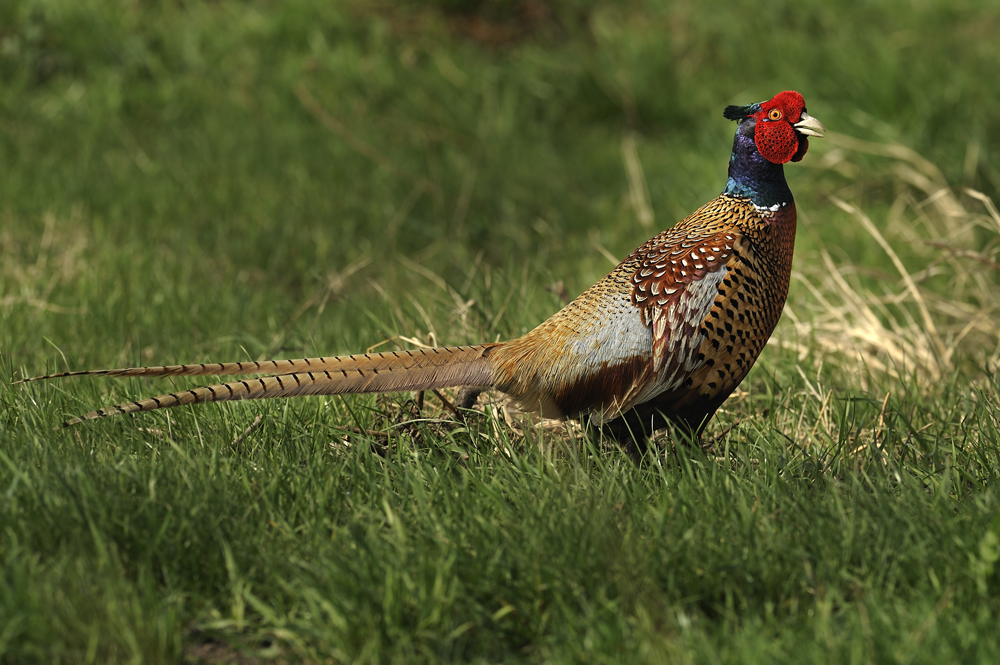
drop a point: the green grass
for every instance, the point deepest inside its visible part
(185, 182)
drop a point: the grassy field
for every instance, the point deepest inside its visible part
(186, 181)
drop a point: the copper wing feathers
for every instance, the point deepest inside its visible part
(675, 286)
(710, 302)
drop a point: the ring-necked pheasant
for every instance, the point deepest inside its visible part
(665, 337)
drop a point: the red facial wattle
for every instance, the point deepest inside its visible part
(776, 141)
(775, 135)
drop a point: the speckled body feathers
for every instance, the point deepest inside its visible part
(694, 307)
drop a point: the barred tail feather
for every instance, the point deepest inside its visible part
(338, 363)
(197, 369)
(393, 371)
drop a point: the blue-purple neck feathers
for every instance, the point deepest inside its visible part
(753, 177)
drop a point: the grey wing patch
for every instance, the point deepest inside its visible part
(614, 335)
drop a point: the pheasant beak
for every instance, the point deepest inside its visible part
(810, 126)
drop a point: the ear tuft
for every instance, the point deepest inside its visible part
(739, 112)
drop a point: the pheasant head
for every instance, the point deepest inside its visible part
(770, 134)
(781, 126)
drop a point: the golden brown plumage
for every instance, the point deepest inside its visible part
(665, 337)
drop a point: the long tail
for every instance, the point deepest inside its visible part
(393, 371)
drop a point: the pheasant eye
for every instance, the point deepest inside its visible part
(775, 114)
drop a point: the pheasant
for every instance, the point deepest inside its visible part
(663, 339)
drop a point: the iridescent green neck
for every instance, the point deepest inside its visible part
(753, 177)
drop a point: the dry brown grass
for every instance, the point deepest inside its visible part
(940, 313)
